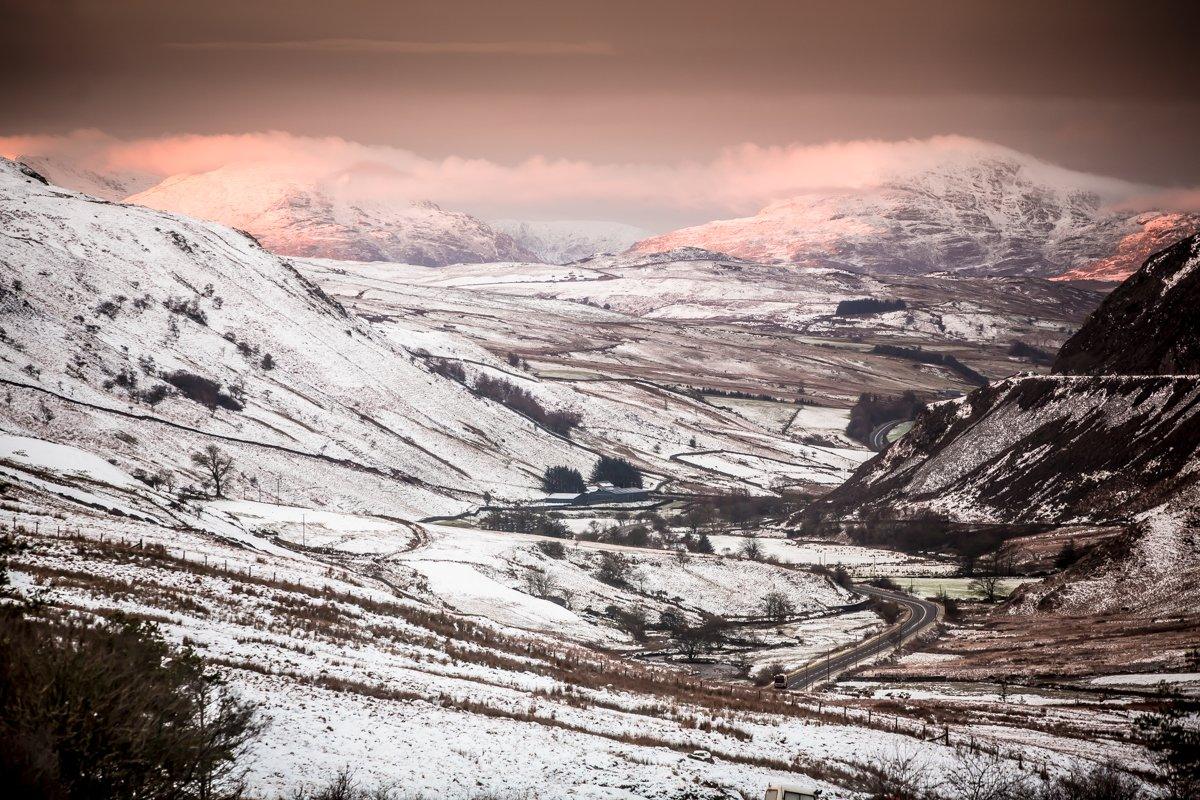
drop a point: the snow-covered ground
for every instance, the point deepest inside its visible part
(351, 669)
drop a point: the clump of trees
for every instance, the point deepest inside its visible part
(563, 479)
(525, 520)
(524, 403)
(741, 509)
(867, 306)
(617, 471)
(109, 711)
(923, 356)
(448, 368)
(776, 606)
(872, 410)
(1037, 355)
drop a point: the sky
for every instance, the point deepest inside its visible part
(1111, 88)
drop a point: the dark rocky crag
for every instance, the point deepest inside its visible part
(1149, 325)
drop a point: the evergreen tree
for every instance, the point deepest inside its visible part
(563, 479)
(617, 471)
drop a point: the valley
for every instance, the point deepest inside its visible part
(326, 477)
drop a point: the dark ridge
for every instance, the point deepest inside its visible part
(1149, 325)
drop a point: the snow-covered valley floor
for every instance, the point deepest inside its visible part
(411, 653)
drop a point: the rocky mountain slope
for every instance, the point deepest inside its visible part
(1048, 449)
(996, 212)
(1149, 325)
(302, 217)
(564, 241)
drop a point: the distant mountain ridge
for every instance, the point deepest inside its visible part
(564, 241)
(998, 213)
(314, 218)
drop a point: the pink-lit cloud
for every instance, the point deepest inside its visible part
(514, 48)
(738, 180)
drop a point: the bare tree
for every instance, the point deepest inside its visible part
(987, 586)
(776, 606)
(752, 549)
(896, 776)
(985, 776)
(539, 583)
(693, 639)
(217, 467)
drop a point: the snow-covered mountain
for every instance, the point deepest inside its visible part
(107, 184)
(302, 217)
(994, 211)
(564, 241)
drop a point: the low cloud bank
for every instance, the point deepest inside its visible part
(737, 181)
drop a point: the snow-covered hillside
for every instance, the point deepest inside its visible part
(1038, 449)
(305, 217)
(564, 241)
(114, 315)
(992, 212)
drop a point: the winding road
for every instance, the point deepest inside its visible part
(878, 440)
(919, 616)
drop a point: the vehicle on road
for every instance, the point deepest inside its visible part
(701, 755)
(792, 792)
(919, 616)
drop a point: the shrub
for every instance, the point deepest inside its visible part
(268, 361)
(202, 390)
(109, 711)
(154, 395)
(553, 549)
(188, 308)
(617, 471)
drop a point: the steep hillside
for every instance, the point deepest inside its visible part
(564, 241)
(302, 217)
(1149, 325)
(1037, 449)
(143, 336)
(994, 212)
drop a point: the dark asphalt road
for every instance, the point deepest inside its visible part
(922, 614)
(877, 441)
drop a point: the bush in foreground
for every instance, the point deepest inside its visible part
(110, 711)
